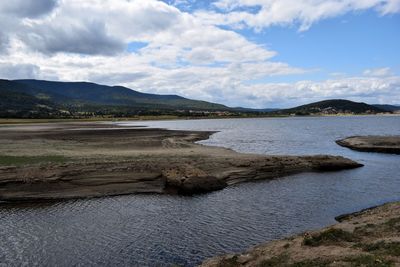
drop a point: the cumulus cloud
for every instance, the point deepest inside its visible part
(368, 89)
(3, 42)
(234, 87)
(290, 12)
(117, 77)
(27, 8)
(19, 71)
(84, 37)
(105, 27)
(185, 53)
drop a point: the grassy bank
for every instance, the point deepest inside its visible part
(367, 238)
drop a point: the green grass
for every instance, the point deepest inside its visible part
(330, 236)
(29, 160)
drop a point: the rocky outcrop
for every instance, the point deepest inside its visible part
(380, 144)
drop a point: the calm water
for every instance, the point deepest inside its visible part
(157, 230)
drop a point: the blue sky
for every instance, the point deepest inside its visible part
(252, 53)
(349, 44)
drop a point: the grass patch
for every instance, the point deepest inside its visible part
(390, 226)
(283, 261)
(29, 160)
(229, 262)
(330, 236)
(394, 223)
(382, 247)
(367, 230)
(280, 260)
(368, 261)
(312, 263)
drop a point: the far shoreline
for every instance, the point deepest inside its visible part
(16, 121)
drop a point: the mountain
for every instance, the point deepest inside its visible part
(36, 98)
(334, 106)
(48, 99)
(390, 108)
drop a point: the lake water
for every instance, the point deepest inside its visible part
(161, 230)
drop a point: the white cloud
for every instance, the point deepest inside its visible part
(291, 12)
(75, 40)
(367, 89)
(27, 8)
(19, 71)
(380, 72)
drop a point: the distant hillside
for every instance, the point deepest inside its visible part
(36, 98)
(390, 108)
(334, 106)
(48, 99)
(256, 110)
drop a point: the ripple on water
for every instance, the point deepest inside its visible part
(162, 230)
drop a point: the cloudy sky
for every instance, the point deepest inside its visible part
(252, 53)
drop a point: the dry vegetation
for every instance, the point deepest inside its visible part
(368, 238)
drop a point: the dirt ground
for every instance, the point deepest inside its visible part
(76, 160)
(380, 144)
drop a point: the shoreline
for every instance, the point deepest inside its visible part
(378, 144)
(370, 237)
(81, 160)
(17, 121)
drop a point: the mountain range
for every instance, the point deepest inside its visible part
(50, 99)
(36, 98)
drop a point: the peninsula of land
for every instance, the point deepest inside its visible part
(380, 144)
(367, 238)
(79, 160)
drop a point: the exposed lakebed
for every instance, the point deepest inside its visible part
(164, 230)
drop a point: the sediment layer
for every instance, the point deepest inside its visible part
(80, 160)
(380, 144)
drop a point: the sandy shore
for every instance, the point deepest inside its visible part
(77, 160)
(367, 238)
(381, 144)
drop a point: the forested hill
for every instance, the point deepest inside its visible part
(334, 106)
(36, 98)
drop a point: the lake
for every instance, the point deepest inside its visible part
(162, 230)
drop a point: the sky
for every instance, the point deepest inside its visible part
(249, 53)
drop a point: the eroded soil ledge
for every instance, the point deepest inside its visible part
(78, 160)
(367, 238)
(381, 144)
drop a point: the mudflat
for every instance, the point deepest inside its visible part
(381, 144)
(79, 160)
(367, 238)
